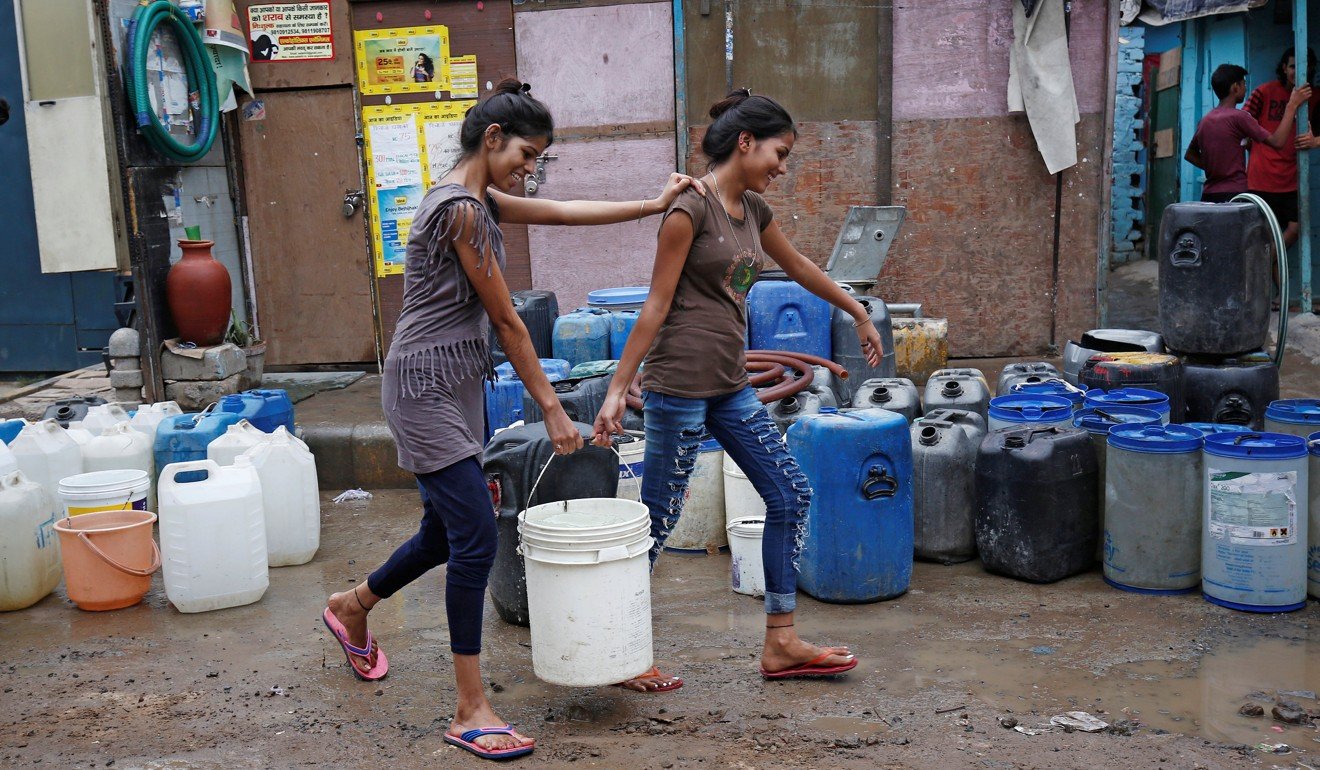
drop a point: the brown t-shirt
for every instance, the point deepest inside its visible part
(699, 351)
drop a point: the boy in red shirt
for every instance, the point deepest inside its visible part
(1218, 147)
(1271, 171)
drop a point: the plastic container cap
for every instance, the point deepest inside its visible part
(1211, 428)
(1099, 419)
(1257, 446)
(1028, 407)
(624, 295)
(1131, 397)
(1298, 411)
(829, 410)
(1156, 439)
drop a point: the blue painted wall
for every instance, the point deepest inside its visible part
(44, 319)
(1127, 193)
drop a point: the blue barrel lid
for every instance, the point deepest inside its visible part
(1030, 407)
(1156, 439)
(1298, 411)
(623, 295)
(1313, 441)
(1151, 399)
(1099, 419)
(1256, 446)
(1054, 386)
(1210, 428)
(710, 445)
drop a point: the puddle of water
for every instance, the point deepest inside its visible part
(1197, 698)
(849, 726)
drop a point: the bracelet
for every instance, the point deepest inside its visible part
(790, 625)
(641, 210)
(859, 324)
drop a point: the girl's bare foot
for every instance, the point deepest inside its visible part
(345, 607)
(482, 715)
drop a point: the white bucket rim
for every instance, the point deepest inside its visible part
(632, 530)
(98, 483)
(747, 526)
(538, 512)
(629, 548)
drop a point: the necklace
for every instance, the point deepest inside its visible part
(715, 182)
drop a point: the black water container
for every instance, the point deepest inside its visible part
(832, 390)
(1014, 373)
(512, 461)
(787, 411)
(945, 444)
(897, 394)
(1036, 503)
(582, 399)
(848, 348)
(538, 310)
(1230, 391)
(68, 410)
(1215, 284)
(1149, 371)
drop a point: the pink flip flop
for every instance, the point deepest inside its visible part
(467, 742)
(812, 667)
(377, 671)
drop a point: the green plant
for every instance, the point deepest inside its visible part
(240, 333)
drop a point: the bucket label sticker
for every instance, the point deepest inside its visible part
(137, 504)
(1258, 509)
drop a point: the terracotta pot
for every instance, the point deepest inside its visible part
(198, 291)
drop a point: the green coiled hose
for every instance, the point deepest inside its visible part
(201, 80)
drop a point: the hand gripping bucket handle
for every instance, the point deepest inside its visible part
(546, 467)
(103, 556)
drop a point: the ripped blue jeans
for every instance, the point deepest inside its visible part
(675, 428)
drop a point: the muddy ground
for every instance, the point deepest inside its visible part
(264, 685)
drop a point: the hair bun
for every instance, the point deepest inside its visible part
(513, 86)
(735, 98)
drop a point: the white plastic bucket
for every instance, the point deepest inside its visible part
(632, 456)
(701, 527)
(588, 590)
(748, 568)
(741, 500)
(116, 490)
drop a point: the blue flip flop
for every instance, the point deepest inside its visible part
(466, 742)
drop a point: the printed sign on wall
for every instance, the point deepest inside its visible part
(401, 61)
(409, 147)
(282, 32)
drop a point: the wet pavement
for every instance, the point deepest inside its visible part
(264, 685)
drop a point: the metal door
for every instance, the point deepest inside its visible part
(607, 74)
(300, 157)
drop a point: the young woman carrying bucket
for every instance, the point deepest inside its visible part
(432, 388)
(710, 252)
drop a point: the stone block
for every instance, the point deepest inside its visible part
(217, 363)
(125, 343)
(126, 378)
(194, 395)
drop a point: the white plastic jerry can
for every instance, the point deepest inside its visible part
(122, 447)
(212, 536)
(29, 548)
(291, 498)
(47, 454)
(149, 416)
(237, 439)
(103, 416)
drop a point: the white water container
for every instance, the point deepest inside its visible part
(29, 550)
(149, 416)
(79, 434)
(741, 500)
(122, 447)
(237, 440)
(213, 536)
(290, 498)
(103, 416)
(46, 454)
(748, 566)
(701, 527)
(588, 590)
(7, 462)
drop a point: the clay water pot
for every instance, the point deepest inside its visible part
(198, 291)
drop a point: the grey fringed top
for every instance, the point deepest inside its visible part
(439, 357)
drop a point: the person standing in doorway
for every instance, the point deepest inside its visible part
(431, 390)
(691, 332)
(1219, 145)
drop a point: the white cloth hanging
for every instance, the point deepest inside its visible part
(1040, 82)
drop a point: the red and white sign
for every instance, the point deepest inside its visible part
(281, 32)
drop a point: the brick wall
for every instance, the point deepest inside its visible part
(1127, 193)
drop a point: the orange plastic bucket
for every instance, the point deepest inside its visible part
(109, 557)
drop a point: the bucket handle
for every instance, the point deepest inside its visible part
(546, 467)
(155, 557)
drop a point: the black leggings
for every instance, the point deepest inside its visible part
(458, 528)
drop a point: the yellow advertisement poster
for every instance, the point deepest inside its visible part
(403, 61)
(408, 148)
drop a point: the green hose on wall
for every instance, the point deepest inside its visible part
(201, 80)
